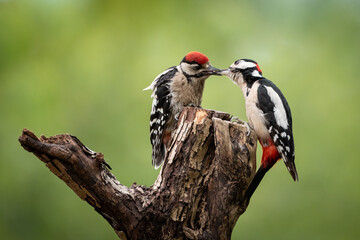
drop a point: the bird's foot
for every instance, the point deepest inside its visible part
(176, 117)
(235, 120)
(193, 105)
(248, 126)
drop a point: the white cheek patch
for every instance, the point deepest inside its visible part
(256, 73)
(237, 78)
(279, 110)
(188, 68)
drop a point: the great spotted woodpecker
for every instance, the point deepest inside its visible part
(173, 89)
(269, 114)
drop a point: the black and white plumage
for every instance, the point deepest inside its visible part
(269, 114)
(175, 88)
(279, 120)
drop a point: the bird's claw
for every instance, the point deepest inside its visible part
(193, 105)
(248, 126)
(176, 117)
(236, 120)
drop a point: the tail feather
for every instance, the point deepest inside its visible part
(256, 181)
(158, 155)
(292, 169)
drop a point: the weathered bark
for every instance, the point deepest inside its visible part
(199, 193)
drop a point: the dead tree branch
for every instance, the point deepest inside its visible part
(199, 193)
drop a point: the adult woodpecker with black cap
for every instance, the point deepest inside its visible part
(269, 115)
(172, 90)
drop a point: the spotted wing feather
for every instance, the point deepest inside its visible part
(160, 114)
(279, 121)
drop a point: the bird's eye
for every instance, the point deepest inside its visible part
(237, 62)
(197, 67)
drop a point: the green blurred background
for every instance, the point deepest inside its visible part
(79, 67)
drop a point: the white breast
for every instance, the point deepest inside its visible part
(184, 93)
(255, 116)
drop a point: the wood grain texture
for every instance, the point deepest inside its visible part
(198, 194)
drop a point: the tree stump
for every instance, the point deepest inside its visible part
(198, 194)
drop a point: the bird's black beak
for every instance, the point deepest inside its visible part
(212, 71)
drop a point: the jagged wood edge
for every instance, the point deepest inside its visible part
(50, 150)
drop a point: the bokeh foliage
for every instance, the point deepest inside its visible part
(79, 67)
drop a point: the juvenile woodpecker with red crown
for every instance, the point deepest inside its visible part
(269, 115)
(172, 90)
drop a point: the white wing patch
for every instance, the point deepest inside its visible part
(279, 110)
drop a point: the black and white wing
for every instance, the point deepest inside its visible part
(279, 122)
(160, 113)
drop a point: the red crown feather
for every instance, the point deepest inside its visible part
(196, 57)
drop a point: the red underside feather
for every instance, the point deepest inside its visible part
(270, 155)
(166, 138)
